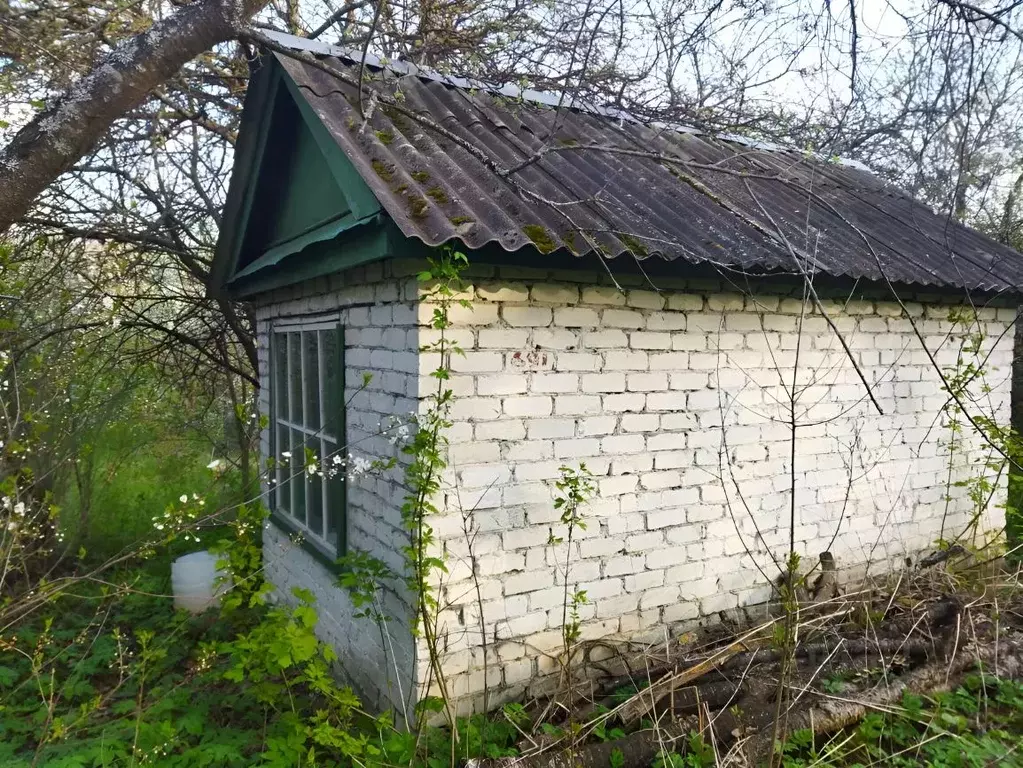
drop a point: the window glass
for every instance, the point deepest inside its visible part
(283, 467)
(307, 391)
(314, 490)
(311, 377)
(280, 382)
(298, 475)
(332, 383)
(295, 377)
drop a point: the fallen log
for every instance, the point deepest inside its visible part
(833, 713)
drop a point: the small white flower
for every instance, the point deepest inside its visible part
(19, 508)
(338, 461)
(286, 455)
(360, 465)
(311, 469)
(214, 465)
(184, 498)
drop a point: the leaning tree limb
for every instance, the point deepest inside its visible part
(65, 131)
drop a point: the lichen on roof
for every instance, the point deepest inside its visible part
(418, 206)
(384, 170)
(541, 237)
(438, 194)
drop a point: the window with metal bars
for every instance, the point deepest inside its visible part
(308, 427)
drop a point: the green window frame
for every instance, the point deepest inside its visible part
(307, 438)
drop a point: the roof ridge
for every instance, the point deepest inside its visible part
(542, 98)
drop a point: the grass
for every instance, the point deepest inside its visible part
(133, 476)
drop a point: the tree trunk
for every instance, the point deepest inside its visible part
(60, 135)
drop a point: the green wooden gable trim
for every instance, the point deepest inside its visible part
(371, 241)
(294, 197)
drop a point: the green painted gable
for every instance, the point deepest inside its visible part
(296, 207)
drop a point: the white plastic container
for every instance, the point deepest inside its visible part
(194, 582)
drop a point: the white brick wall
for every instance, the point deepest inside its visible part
(677, 401)
(377, 310)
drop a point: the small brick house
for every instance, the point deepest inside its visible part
(643, 299)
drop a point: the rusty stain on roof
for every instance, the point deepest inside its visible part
(732, 203)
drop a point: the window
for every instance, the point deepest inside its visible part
(307, 392)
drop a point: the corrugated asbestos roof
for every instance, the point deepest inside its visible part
(728, 202)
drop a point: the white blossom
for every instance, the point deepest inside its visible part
(359, 465)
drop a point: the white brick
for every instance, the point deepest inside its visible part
(622, 318)
(502, 384)
(645, 299)
(594, 294)
(688, 380)
(640, 580)
(526, 316)
(554, 293)
(475, 408)
(647, 382)
(725, 301)
(527, 582)
(666, 401)
(502, 338)
(555, 382)
(527, 406)
(666, 321)
(686, 302)
(477, 362)
(626, 402)
(503, 292)
(570, 449)
(550, 428)
(597, 425)
(603, 382)
(576, 317)
(484, 476)
(555, 338)
(577, 405)
(475, 314)
(626, 361)
(577, 361)
(653, 598)
(650, 340)
(641, 422)
(605, 339)
(623, 444)
(665, 558)
(669, 361)
(523, 538)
